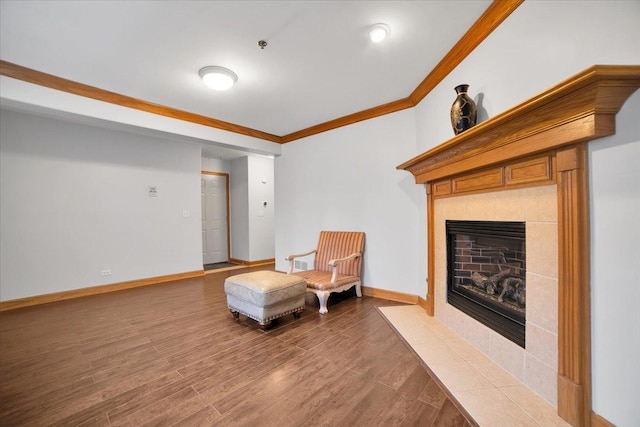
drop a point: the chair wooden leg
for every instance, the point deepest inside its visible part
(358, 290)
(323, 297)
(236, 315)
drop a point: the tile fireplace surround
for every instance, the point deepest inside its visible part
(536, 365)
(529, 164)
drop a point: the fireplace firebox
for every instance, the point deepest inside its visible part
(486, 271)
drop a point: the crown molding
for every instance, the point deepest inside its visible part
(370, 113)
(492, 17)
(54, 82)
(495, 14)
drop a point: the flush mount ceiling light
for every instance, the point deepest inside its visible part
(379, 32)
(218, 78)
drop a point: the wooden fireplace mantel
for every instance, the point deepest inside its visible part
(578, 109)
(541, 141)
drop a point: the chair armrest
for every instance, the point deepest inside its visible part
(291, 258)
(334, 264)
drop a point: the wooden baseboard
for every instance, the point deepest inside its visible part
(253, 263)
(94, 290)
(222, 270)
(389, 295)
(423, 303)
(598, 421)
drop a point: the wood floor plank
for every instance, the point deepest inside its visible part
(99, 421)
(289, 374)
(176, 413)
(160, 409)
(400, 367)
(59, 408)
(404, 404)
(433, 394)
(287, 408)
(236, 379)
(112, 348)
(370, 408)
(345, 394)
(205, 417)
(417, 414)
(127, 398)
(449, 416)
(312, 338)
(139, 382)
(30, 378)
(137, 363)
(235, 359)
(171, 354)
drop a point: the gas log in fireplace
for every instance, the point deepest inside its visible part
(486, 271)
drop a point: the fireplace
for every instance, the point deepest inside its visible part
(486, 271)
(540, 142)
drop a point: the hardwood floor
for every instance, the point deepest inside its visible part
(171, 354)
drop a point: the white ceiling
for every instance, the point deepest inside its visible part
(319, 64)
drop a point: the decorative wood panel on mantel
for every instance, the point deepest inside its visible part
(541, 141)
(523, 173)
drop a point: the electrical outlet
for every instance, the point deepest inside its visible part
(105, 272)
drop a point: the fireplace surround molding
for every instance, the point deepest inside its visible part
(539, 142)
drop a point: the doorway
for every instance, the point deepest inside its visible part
(215, 218)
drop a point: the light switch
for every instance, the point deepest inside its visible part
(186, 214)
(153, 191)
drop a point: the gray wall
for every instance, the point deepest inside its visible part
(346, 180)
(75, 202)
(252, 224)
(239, 208)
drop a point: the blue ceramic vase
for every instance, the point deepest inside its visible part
(463, 110)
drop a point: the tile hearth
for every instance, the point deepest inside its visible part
(491, 395)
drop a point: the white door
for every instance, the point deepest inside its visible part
(214, 219)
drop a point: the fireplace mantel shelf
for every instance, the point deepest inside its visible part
(540, 142)
(578, 109)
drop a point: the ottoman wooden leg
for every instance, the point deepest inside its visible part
(264, 325)
(296, 314)
(236, 315)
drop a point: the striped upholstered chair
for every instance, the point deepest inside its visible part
(337, 265)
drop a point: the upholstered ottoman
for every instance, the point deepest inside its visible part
(265, 295)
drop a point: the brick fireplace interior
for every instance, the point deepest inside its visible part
(486, 273)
